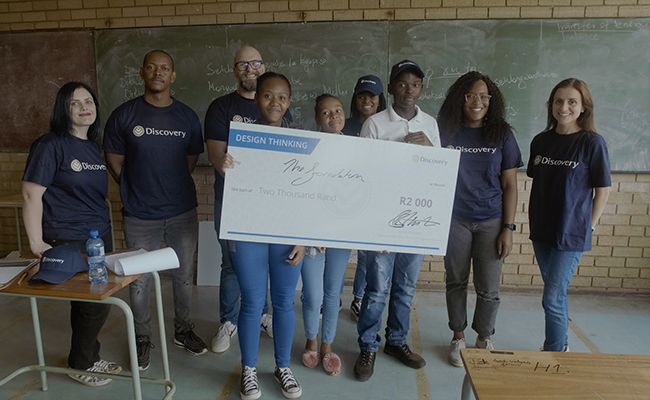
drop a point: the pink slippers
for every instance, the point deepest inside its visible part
(331, 364)
(310, 358)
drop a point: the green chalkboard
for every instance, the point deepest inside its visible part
(316, 58)
(526, 58)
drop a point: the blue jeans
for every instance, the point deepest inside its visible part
(228, 286)
(180, 233)
(359, 286)
(557, 268)
(323, 276)
(396, 273)
(253, 263)
(473, 243)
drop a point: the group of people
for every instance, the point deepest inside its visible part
(151, 146)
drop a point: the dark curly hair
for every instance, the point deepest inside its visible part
(450, 117)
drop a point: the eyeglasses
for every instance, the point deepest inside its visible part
(471, 97)
(254, 64)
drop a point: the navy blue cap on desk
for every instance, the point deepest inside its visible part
(60, 263)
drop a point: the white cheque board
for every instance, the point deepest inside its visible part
(317, 189)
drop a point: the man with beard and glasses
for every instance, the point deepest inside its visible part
(238, 106)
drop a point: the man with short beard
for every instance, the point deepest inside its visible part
(152, 144)
(238, 106)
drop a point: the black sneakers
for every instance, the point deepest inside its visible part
(290, 387)
(365, 365)
(355, 308)
(250, 388)
(192, 343)
(144, 347)
(405, 355)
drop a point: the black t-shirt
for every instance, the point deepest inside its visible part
(565, 169)
(76, 179)
(156, 182)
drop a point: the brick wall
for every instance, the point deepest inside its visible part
(16, 15)
(620, 259)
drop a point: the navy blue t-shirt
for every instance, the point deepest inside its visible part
(223, 110)
(76, 179)
(479, 197)
(156, 182)
(352, 127)
(565, 169)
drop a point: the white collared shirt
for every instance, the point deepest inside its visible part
(387, 125)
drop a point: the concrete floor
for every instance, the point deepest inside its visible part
(604, 323)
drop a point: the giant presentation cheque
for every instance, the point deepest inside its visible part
(317, 189)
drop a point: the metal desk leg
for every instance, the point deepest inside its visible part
(161, 325)
(467, 389)
(133, 355)
(39, 341)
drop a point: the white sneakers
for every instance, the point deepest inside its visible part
(485, 344)
(454, 352)
(458, 344)
(221, 341)
(266, 325)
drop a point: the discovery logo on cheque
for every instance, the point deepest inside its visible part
(427, 160)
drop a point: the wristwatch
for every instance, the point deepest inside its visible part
(512, 227)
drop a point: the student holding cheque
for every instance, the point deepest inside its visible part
(323, 270)
(472, 119)
(569, 164)
(254, 262)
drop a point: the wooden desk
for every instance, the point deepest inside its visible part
(14, 201)
(79, 288)
(537, 375)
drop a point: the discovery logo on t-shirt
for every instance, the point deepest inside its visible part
(246, 120)
(549, 161)
(78, 166)
(139, 131)
(464, 149)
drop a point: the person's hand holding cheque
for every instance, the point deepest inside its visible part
(418, 138)
(226, 162)
(298, 252)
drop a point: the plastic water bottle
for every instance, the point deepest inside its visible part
(96, 258)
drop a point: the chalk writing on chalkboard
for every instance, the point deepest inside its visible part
(525, 58)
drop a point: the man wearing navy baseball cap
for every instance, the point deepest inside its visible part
(402, 121)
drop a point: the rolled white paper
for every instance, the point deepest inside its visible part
(157, 260)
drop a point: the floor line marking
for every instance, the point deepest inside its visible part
(25, 389)
(421, 381)
(231, 383)
(581, 335)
